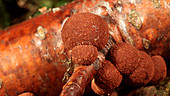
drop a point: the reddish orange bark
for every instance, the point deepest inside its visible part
(32, 63)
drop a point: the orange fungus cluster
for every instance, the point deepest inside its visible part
(86, 34)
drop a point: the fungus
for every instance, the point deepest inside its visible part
(85, 34)
(97, 89)
(26, 94)
(125, 57)
(160, 71)
(84, 54)
(106, 79)
(85, 29)
(144, 73)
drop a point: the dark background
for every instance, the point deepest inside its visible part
(15, 11)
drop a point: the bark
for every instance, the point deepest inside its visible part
(32, 56)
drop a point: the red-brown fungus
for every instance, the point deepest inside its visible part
(78, 81)
(125, 57)
(84, 34)
(160, 71)
(107, 78)
(84, 54)
(26, 94)
(85, 29)
(97, 89)
(144, 73)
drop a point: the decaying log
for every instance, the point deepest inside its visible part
(32, 56)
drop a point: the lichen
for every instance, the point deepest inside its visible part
(41, 32)
(66, 76)
(66, 62)
(156, 3)
(146, 43)
(1, 83)
(56, 9)
(20, 48)
(135, 19)
(118, 8)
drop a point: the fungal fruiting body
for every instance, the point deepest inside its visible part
(143, 23)
(144, 73)
(125, 57)
(77, 83)
(79, 34)
(136, 66)
(26, 94)
(106, 79)
(84, 54)
(85, 29)
(145, 70)
(84, 34)
(160, 71)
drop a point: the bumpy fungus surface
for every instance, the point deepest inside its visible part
(125, 57)
(144, 73)
(84, 54)
(85, 29)
(107, 78)
(160, 71)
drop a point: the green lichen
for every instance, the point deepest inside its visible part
(162, 93)
(66, 62)
(66, 77)
(135, 19)
(163, 87)
(156, 3)
(1, 82)
(146, 43)
(41, 32)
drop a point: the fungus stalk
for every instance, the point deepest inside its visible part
(83, 75)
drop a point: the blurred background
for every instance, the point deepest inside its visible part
(15, 11)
